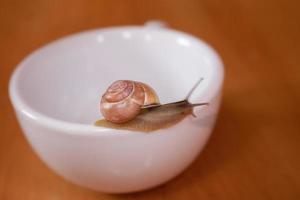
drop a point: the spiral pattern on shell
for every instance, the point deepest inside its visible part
(123, 100)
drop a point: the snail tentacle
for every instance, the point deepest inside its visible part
(193, 88)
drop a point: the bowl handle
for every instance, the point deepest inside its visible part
(155, 24)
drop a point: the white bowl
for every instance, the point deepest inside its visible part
(56, 90)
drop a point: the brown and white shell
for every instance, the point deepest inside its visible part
(124, 99)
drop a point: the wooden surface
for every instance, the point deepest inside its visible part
(254, 152)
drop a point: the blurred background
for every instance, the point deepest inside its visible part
(254, 152)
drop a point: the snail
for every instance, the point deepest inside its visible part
(131, 105)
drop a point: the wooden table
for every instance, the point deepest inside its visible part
(254, 152)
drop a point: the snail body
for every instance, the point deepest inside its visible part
(155, 117)
(152, 115)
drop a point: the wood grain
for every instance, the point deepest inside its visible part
(254, 150)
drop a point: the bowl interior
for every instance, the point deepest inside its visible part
(65, 79)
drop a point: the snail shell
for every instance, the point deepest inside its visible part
(124, 99)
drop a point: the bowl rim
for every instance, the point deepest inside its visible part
(77, 128)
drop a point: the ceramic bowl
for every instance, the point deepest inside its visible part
(56, 90)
